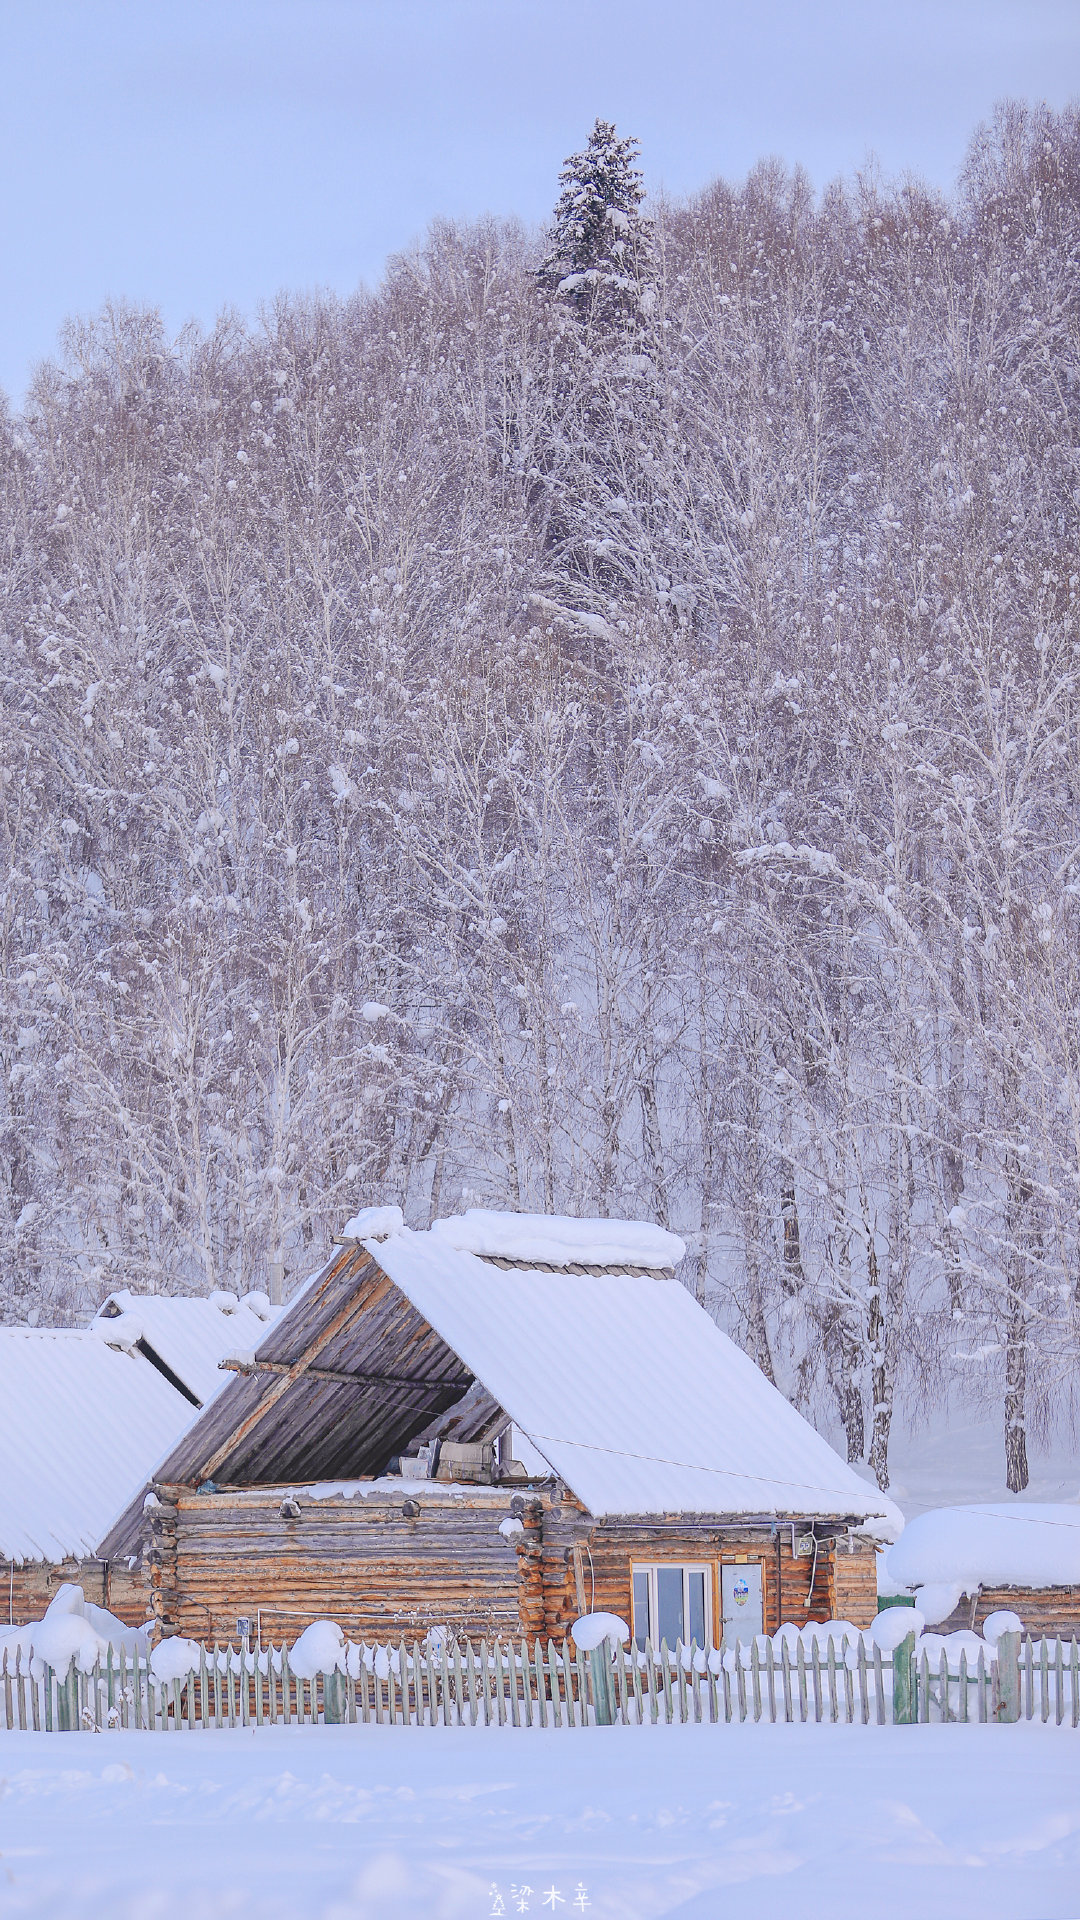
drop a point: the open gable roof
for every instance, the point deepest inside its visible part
(345, 1377)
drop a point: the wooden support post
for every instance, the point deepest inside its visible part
(162, 1559)
(578, 1566)
(334, 1714)
(67, 1711)
(904, 1690)
(600, 1676)
(1005, 1692)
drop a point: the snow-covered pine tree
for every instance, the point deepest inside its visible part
(603, 436)
(601, 248)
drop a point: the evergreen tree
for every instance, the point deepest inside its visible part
(601, 250)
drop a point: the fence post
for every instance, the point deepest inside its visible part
(600, 1675)
(67, 1708)
(333, 1693)
(1005, 1697)
(904, 1690)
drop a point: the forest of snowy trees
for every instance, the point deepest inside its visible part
(590, 725)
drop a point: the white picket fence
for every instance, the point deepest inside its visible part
(465, 1683)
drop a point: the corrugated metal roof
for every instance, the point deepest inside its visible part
(627, 1387)
(81, 1426)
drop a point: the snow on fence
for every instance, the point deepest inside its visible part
(461, 1683)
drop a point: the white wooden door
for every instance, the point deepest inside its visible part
(742, 1601)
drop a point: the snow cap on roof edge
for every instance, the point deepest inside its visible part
(373, 1223)
(125, 1331)
(557, 1240)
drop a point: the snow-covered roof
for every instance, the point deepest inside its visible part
(621, 1382)
(1023, 1544)
(189, 1333)
(555, 1240)
(628, 1389)
(81, 1426)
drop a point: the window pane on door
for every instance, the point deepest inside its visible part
(669, 1604)
(695, 1592)
(641, 1610)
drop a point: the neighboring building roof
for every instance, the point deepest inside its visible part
(85, 1414)
(624, 1385)
(1022, 1544)
(81, 1425)
(187, 1334)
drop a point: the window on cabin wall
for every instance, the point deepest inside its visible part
(673, 1602)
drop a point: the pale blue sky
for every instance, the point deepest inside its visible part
(208, 153)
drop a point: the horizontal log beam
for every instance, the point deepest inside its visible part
(426, 1382)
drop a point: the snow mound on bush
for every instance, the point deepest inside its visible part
(937, 1600)
(1001, 1622)
(175, 1658)
(894, 1625)
(71, 1627)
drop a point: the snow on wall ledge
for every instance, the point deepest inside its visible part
(558, 1241)
(1021, 1545)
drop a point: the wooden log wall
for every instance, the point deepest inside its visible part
(26, 1591)
(362, 1562)
(1047, 1612)
(853, 1583)
(381, 1570)
(844, 1583)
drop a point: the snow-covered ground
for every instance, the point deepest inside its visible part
(378, 1823)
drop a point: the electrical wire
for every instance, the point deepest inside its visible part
(695, 1466)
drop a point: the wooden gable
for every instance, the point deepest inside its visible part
(350, 1374)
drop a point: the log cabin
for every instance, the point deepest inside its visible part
(491, 1428)
(85, 1414)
